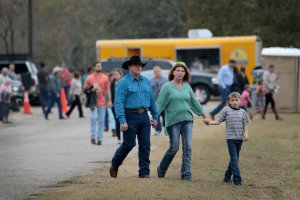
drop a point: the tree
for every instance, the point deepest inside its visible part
(11, 20)
(145, 19)
(275, 21)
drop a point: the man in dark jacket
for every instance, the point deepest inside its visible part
(54, 93)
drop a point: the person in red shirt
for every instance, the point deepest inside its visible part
(101, 86)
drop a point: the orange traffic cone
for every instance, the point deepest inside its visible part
(26, 105)
(64, 103)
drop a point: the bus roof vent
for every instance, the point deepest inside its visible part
(199, 33)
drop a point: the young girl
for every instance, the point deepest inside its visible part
(246, 99)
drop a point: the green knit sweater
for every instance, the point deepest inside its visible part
(177, 103)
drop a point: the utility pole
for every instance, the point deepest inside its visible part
(30, 29)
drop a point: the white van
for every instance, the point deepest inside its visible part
(25, 67)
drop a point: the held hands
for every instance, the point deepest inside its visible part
(153, 123)
(124, 127)
(206, 122)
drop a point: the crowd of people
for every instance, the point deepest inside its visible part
(124, 101)
(231, 79)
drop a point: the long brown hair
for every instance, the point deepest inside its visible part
(187, 76)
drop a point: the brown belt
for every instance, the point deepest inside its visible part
(139, 110)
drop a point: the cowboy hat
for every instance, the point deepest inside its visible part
(57, 69)
(134, 60)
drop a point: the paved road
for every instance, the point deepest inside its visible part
(36, 153)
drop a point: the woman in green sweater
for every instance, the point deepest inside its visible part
(177, 99)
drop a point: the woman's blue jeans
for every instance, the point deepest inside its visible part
(185, 130)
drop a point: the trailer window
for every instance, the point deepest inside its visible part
(163, 64)
(209, 58)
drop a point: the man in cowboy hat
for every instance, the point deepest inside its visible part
(54, 92)
(133, 98)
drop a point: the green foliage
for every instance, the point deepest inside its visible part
(275, 21)
(65, 31)
(145, 19)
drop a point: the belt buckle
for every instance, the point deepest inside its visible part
(140, 110)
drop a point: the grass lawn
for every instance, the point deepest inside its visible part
(269, 165)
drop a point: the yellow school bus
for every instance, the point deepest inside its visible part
(211, 52)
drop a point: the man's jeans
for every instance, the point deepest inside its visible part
(138, 125)
(97, 118)
(234, 147)
(185, 130)
(224, 92)
(44, 96)
(52, 99)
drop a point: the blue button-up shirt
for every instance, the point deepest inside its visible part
(133, 94)
(225, 76)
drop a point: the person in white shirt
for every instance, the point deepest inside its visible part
(270, 86)
(225, 78)
(76, 91)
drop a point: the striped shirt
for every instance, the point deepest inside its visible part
(236, 120)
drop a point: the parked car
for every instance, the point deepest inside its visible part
(17, 98)
(18, 91)
(23, 66)
(112, 63)
(205, 82)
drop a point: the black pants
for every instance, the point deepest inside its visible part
(270, 99)
(118, 132)
(77, 103)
